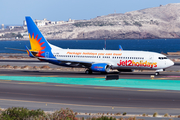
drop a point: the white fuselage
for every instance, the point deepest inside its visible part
(115, 58)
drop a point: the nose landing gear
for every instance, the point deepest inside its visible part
(160, 70)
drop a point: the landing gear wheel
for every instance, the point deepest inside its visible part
(88, 72)
(157, 73)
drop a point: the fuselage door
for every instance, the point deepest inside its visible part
(151, 57)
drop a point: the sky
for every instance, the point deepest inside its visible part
(13, 12)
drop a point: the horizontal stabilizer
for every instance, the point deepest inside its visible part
(29, 52)
(15, 49)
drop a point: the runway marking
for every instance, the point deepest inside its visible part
(3, 75)
(69, 85)
(92, 87)
(107, 87)
(160, 78)
(5, 80)
(49, 76)
(122, 83)
(173, 76)
(34, 83)
(86, 105)
(150, 90)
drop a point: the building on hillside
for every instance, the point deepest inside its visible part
(52, 22)
(42, 22)
(14, 27)
(2, 34)
(24, 34)
(2, 26)
(70, 20)
(59, 22)
(39, 22)
(47, 22)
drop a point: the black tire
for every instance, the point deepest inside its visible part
(157, 73)
(88, 72)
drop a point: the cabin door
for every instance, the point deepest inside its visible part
(151, 57)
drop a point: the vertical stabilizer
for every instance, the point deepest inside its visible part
(38, 43)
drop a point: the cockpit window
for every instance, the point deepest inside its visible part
(162, 58)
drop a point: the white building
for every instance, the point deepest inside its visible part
(70, 20)
(47, 22)
(39, 22)
(2, 26)
(14, 27)
(2, 34)
(52, 22)
(59, 22)
(24, 34)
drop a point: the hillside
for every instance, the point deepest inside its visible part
(158, 22)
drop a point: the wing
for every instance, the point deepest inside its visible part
(75, 63)
(72, 63)
(15, 49)
(68, 62)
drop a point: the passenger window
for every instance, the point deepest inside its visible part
(161, 58)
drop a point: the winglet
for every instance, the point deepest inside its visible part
(120, 47)
(29, 52)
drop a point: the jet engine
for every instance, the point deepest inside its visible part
(100, 67)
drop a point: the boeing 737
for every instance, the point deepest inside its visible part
(93, 60)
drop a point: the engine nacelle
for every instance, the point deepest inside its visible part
(100, 67)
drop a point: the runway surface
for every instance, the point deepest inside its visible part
(84, 98)
(88, 98)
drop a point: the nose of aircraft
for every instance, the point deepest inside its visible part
(170, 63)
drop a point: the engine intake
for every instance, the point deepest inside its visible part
(100, 67)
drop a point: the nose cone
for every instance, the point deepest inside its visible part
(170, 63)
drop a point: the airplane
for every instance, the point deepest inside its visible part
(94, 60)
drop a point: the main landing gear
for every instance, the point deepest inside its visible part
(156, 73)
(88, 71)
